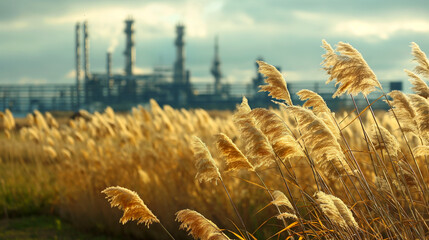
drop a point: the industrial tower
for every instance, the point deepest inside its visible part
(215, 70)
(130, 51)
(179, 65)
(77, 55)
(86, 50)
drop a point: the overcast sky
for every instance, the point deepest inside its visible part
(37, 37)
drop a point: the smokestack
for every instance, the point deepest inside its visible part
(109, 64)
(77, 55)
(109, 73)
(179, 65)
(86, 50)
(130, 52)
(216, 72)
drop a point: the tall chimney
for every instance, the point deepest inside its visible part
(179, 65)
(130, 52)
(216, 72)
(77, 55)
(109, 73)
(109, 64)
(86, 50)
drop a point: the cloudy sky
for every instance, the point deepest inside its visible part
(37, 37)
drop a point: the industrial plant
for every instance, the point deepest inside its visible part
(167, 85)
(171, 86)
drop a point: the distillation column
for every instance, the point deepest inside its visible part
(216, 72)
(77, 55)
(130, 52)
(179, 65)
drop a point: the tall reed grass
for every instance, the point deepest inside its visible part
(296, 172)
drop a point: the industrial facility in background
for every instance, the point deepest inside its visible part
(172, 86)
(166, 85)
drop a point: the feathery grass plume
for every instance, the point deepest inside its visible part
(66, 154)
(313, 100)
(7, 120)
(404, 111)
(328, 207)
(336, 211)
(258, 150)
(132, 205)
(40, 120)
(286, 215)
(406, 171)
(321, 143)
(320, 108)
(85, 114)
(276, 87)
(241, 114)
(29, 119)
(281, 200)
(51, 121)
(387, 140)
(50, 151)
(421, 151)
(345, 212)
(206, 166)
(421, 106)
(198, 226)
(275, 129)
(421, 59)
(330, 58)
(349, 69)
(328, 119)
(10, 119)
(234, 158)
(381, 185)
(419, 86)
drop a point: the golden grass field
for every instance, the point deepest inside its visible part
(294, 172)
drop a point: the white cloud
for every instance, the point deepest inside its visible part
(72, 74)
(369, 28)
(381, 29)
(157, 16)
(138, 70)
(29, 80)
(241, 75)
(13, 25)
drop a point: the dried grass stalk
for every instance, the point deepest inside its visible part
(421, 59)
(258, 150)
(276, 87)
(382, 185)
(386, 141)
(349, 69)
(286, 215)
(421, 106)
(241, 114)
(132, 205)
(409, 177)
(404, 111)
(321, 143)
(50, 151)
(419, 86)
(313, 100)
(281, 200)
(198, 226)
(206, 166)
(421, 151)
(277, 133)
(235, 159)
(336, 211)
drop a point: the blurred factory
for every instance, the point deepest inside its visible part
(171, 86)
(167, 85)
